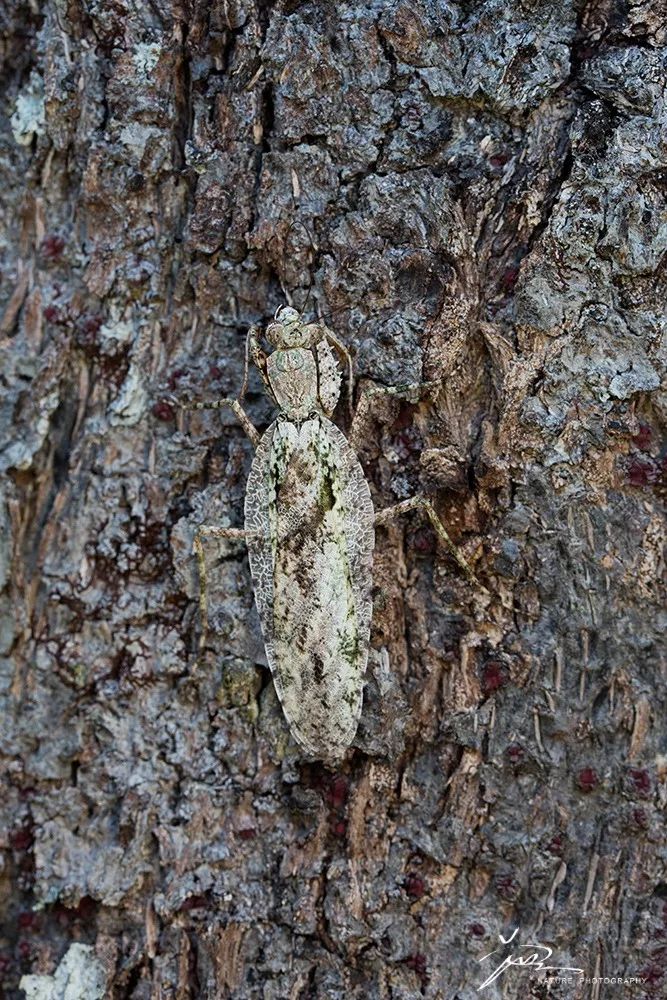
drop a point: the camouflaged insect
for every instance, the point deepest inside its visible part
(309, 528)
(309, 522)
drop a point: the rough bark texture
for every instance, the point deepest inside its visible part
(472, 192)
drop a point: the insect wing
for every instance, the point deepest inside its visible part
(310, 512)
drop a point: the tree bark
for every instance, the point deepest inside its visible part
(466, 192)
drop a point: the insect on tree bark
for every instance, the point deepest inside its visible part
(309, 528)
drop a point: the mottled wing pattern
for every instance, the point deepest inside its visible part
(311, 561)
(329, 378)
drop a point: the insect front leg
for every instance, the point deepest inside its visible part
(233, 404)
(208, 531)
(236, 409)
(422, 503)
(253, 348)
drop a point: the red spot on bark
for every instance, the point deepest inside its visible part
(340, 828)
(175, 376)
(499, 159)
(247, 833)
(52, 314)
(653, 975)
(587, 779)
(5, 963)
(24, 949)
(640, 781)
(508, 887)
(215, 372)
(27, 919)
(640, 818)
(415, 886)
(424, 541)
(556, 846)
(23, 839)
(86, 334)
(417, 962)
(477, 930)
(91, 324)
(163, 410)
(641, 472)
(515, 753)
(337, 792)
(642, 439)
(52, 246)
(508, 280)
(494, 677)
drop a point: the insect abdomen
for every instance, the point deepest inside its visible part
(311, 562)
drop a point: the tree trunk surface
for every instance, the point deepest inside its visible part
(472, 193)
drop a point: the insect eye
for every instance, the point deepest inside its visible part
(274, 334)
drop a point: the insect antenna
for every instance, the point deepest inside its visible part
(289, 295)
(312, 281)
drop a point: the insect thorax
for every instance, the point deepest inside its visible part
(293, 378)
(304, 380)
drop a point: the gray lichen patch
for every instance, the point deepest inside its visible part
(79, 976)
(28, 119)
(132, 401)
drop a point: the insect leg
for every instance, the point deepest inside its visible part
(258, 355)
(382, 391)
(208, 531)
(422, 503)
(339, 346)
(235, 407)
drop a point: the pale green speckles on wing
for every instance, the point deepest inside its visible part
(311, 564)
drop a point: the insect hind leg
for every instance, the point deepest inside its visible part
(422, 503)
(208, 531)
